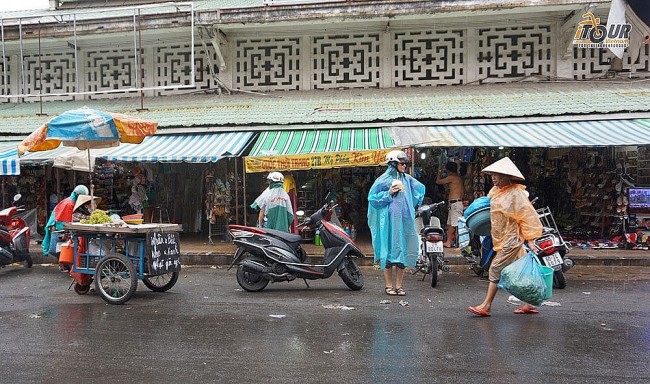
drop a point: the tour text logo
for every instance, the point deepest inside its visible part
(592, 34)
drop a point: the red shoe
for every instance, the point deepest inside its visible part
(526, 311)
(479, 312)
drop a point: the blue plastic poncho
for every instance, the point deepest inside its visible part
(392, 219)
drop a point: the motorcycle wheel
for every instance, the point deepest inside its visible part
(559, 281)
(161, 283)
(433, 269)
(28, 261)
(251, 282)
(351, 274)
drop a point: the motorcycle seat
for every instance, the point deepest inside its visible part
(426, 230)
(291, 238)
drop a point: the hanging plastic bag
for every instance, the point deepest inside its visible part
(524, 279)
(463, 233)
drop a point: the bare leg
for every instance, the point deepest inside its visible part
(450, 235)
(388, 276)
(399, 276)
(486, 305)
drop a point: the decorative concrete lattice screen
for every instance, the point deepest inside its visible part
(112, 69)
(346, 61)
(268, 64)
(514, 52)
(595, 63)
(5, 89)
(58, 75)
(397, 58)
(172, 68)
(428, 58)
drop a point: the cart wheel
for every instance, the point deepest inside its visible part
(81, 289)
(115, 279)
(161, 283)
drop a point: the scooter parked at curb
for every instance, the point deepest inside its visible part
(267, 255)
(431, 257)
(14, 237)
(553, 248)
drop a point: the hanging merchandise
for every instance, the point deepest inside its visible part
(138, 193)
(478, 179)
(104, 175)
(468, 154)
(218, 198)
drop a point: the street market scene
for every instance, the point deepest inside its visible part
(447, 164)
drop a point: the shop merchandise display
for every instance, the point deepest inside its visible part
(31, 185)
(587, 187)
(218, 198)
(138, 193)
(104, 187)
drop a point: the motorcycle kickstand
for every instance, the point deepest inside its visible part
(306, 283)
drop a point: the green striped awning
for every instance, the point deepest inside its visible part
(314, 149)
(596, 133)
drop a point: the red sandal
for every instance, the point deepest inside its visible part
(526, 311)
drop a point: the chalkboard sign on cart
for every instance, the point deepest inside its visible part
(164, 252)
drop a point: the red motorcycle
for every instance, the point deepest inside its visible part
(14, 237)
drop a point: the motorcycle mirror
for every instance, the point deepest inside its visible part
(300, 213)
(17, 197)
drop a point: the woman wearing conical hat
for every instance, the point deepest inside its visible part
(514, 223)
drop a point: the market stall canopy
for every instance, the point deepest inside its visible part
(9, 164)
(597, 133)
(318, 149)
(76, 160)
(45, 157)
(194, 148)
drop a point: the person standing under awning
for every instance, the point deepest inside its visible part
(274, 205)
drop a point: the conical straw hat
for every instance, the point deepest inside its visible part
(505, 166)
(83, 199)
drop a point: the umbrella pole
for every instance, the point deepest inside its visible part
(92, 187)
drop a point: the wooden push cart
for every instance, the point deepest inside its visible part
(116, 257)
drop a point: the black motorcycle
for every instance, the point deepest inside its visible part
(267, 255)
(431, 257)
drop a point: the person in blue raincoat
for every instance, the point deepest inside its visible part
(391, 217)
(61, 214)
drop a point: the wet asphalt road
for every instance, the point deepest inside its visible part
(206, 329)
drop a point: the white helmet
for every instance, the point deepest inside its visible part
(397, 156)
(275, 177)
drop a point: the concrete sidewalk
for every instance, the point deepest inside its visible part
(198, 251)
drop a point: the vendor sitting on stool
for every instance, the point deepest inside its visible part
(455, 202)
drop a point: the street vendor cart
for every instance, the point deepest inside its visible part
(115, 257)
